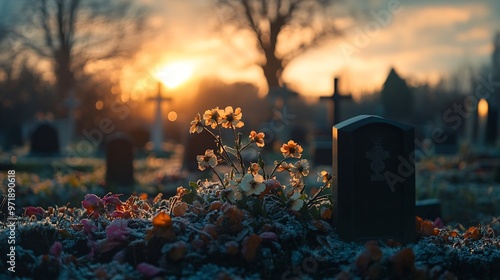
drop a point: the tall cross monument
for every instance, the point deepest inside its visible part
(157, 129)
(71, 103)
(336, 98)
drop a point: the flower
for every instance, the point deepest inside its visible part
(56, 249)
(300, 168)
(34, 211)
(207, 160)
(196, 125)
(254, 168)
(88, 227)
(291, 149)
(252, 184)
(93, 204)
(112, 199)
(283, 166)
(232, 193)
(324, 176)
(212, 117)
(230, 118)
(297, 201)
(117, 230)
(148, 270)
(258, 138)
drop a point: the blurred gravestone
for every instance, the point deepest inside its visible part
(196, 144)
(119, 160)
(44, 141)
(373, 167)
(428, 208)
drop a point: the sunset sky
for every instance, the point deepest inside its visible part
(423, 40)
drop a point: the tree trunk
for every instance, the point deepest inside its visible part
(272, 69)
(65, 79)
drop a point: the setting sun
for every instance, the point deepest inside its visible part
(173, 75)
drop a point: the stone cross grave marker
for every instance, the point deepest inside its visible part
(336, 98)
(374, 173)
(157, 130)
(323, 145)
(44, 140)
(119, 160)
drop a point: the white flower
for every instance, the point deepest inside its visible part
(252, 184)
(297, 201)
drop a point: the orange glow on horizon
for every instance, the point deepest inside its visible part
(174, 74)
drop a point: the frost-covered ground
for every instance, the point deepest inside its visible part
(211, 239)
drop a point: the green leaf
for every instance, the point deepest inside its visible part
(193, 185)
(231, 150)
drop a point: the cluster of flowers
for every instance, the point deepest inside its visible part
(253, 180)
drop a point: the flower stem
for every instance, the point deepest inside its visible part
(224, 155)
(240, 158)
(276, 167)
(218, 176)
(311, 201)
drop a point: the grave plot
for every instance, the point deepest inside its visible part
(245, 223)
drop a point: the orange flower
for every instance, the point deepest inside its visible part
(207, 160)
(212, 117)
(324, 176)
(162, 220)
(258, 138)
(196, 125)
(230, 118)
(291, 149)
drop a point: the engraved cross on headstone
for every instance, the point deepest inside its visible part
(157, 130)
(336, 98)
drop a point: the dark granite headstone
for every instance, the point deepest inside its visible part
(373, 167)
(119, 160)
(428, 208)
(196, 144)
(44, 141)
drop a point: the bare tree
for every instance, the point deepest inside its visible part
(282, 29)
(74, 33)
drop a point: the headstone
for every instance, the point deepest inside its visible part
(44, 141)
(374, 171)
(492, 126)
(429, 209)
(157, 129)
(119, 160)
(450, 145)
(196, 144)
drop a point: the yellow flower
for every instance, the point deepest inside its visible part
(300, 168)
(291, 149)
(196, 125)
(258, 138)
(230, 118)
(324, 176)
(207, 160)
(212, 117)
(252, 184)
